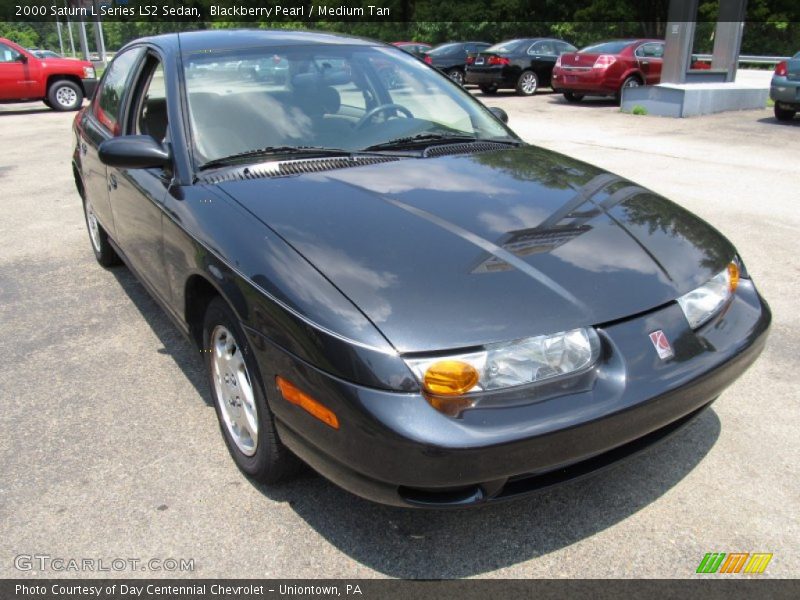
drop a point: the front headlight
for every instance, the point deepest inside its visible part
(701, 304)
(88, 72)
(508, 364)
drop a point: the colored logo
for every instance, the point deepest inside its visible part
(661, 344)
(734, 562)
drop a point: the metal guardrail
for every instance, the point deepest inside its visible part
(748, 59)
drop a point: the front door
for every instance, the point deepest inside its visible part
(137, 195)
(15, 82)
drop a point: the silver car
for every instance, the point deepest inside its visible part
(785, 88)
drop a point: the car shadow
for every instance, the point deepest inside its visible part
(424, 544)
(6, 112)
(509, 93)
(586, 102)
(433, 544)
(773, 121)
(182, 351)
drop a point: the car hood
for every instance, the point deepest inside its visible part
(66, 63)
(458, 251)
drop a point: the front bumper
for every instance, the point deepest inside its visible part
(394, 448)
(785, 91)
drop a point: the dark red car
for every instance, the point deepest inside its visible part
(604, 69)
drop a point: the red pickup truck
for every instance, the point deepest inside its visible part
(62, 83)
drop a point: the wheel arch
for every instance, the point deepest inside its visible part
(78, 181)
(198, 292)
(51, 79)
(632, 73)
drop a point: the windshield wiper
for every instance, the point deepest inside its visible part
(426, 138)
(272, 151)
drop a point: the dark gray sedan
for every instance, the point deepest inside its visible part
(389, 284)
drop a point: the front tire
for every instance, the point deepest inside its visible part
(527, 84)
(456, 75)
(784, 114)
(246, 422)
(103, 251)
(64, 95)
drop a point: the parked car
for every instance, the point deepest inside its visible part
(604, 69)
(393, 286)
(523, 64)
(418, 49)
(785, 88)
(451, 58)
(62, 83)
(39, 53)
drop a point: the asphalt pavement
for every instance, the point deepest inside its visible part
(109, 446)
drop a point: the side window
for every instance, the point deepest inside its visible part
(8, 54)
(564, 47)
(542, 48)
(107, 104)
(650, 50)
(151, 105)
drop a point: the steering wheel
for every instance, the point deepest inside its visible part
(383, 108)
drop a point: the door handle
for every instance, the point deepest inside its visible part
(84, 148)
(645, 62)
(112, 182)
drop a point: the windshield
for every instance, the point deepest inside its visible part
(323, 96)
(607, 47)
(507, 46)
(445, 49)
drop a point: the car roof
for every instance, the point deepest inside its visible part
(230, 39)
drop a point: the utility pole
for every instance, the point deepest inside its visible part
(98, 34)
(60, 39)
(69, 31)
(84, 41)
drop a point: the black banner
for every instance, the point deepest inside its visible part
(387, 11)
(728, 588)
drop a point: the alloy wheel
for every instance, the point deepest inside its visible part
(66, 96)
(457, 76)
(234, 390)
(528, 83)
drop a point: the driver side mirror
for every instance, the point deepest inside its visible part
(499, 113)
(21, 58)
(133, 152)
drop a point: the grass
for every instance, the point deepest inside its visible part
(637, 109)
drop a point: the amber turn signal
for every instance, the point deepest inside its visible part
(733, 276)
(450, 378)
(299, 398)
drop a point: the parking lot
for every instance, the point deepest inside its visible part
(109, 446)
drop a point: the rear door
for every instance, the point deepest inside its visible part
(543, 57)
(650, 58)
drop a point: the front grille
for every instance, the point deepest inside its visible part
(294, 167)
